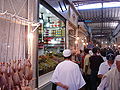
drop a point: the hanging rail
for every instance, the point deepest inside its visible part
(18, 19)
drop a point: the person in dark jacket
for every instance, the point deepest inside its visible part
(95, 61)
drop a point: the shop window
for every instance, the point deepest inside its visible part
(51, 40)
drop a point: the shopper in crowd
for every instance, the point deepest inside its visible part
(95, 62)
(98, 50)
(103, 53)
(86, 69)
(83, 57)
(90, 52)
(117, 52)
(107, 65)
(67, 75)
(79, 58)
(111, 80)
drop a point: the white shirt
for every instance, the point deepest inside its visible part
(68, 73)
(104, 58)
(110, 80)
(104, 67)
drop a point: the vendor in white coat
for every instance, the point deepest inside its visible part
(111, 80)
(107, 65)
(67, 75)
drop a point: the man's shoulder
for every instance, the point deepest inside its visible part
(110, 72)
(103, 63)
(88, 55)
(65, 62)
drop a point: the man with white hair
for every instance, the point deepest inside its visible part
(111, 80)
(67, 75)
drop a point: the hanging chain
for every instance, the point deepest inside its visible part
(13, 38)
(2, 6)
(22, 7)
(8, 39)
(19, 40)
(23, 40)
(3, 44)
(12, 6)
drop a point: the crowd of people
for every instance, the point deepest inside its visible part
(93, 69)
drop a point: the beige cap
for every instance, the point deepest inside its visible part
(117, 58)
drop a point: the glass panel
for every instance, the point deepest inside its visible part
(51, 40)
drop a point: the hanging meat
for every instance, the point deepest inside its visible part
(15, 77)
(28, 72)
(13, 73)
(20, 68)
(3, 81)
(9, 76)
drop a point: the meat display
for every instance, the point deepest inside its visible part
(15, 74)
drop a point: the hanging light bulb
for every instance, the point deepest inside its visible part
(82, 40)
(30, 35)
(77, 38)
(76, 42)
(115, 45)
(83, 43)
(119, 46)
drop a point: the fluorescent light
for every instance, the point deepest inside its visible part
(111, 4)
(99, 35)
(91, 6)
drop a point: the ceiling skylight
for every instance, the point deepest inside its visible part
(111, 4)
(114, 24)
(99, 5)
(91, 6)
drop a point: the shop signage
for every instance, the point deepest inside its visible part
(73, 17)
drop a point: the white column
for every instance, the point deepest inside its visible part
(32, 44)
(67, 34)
